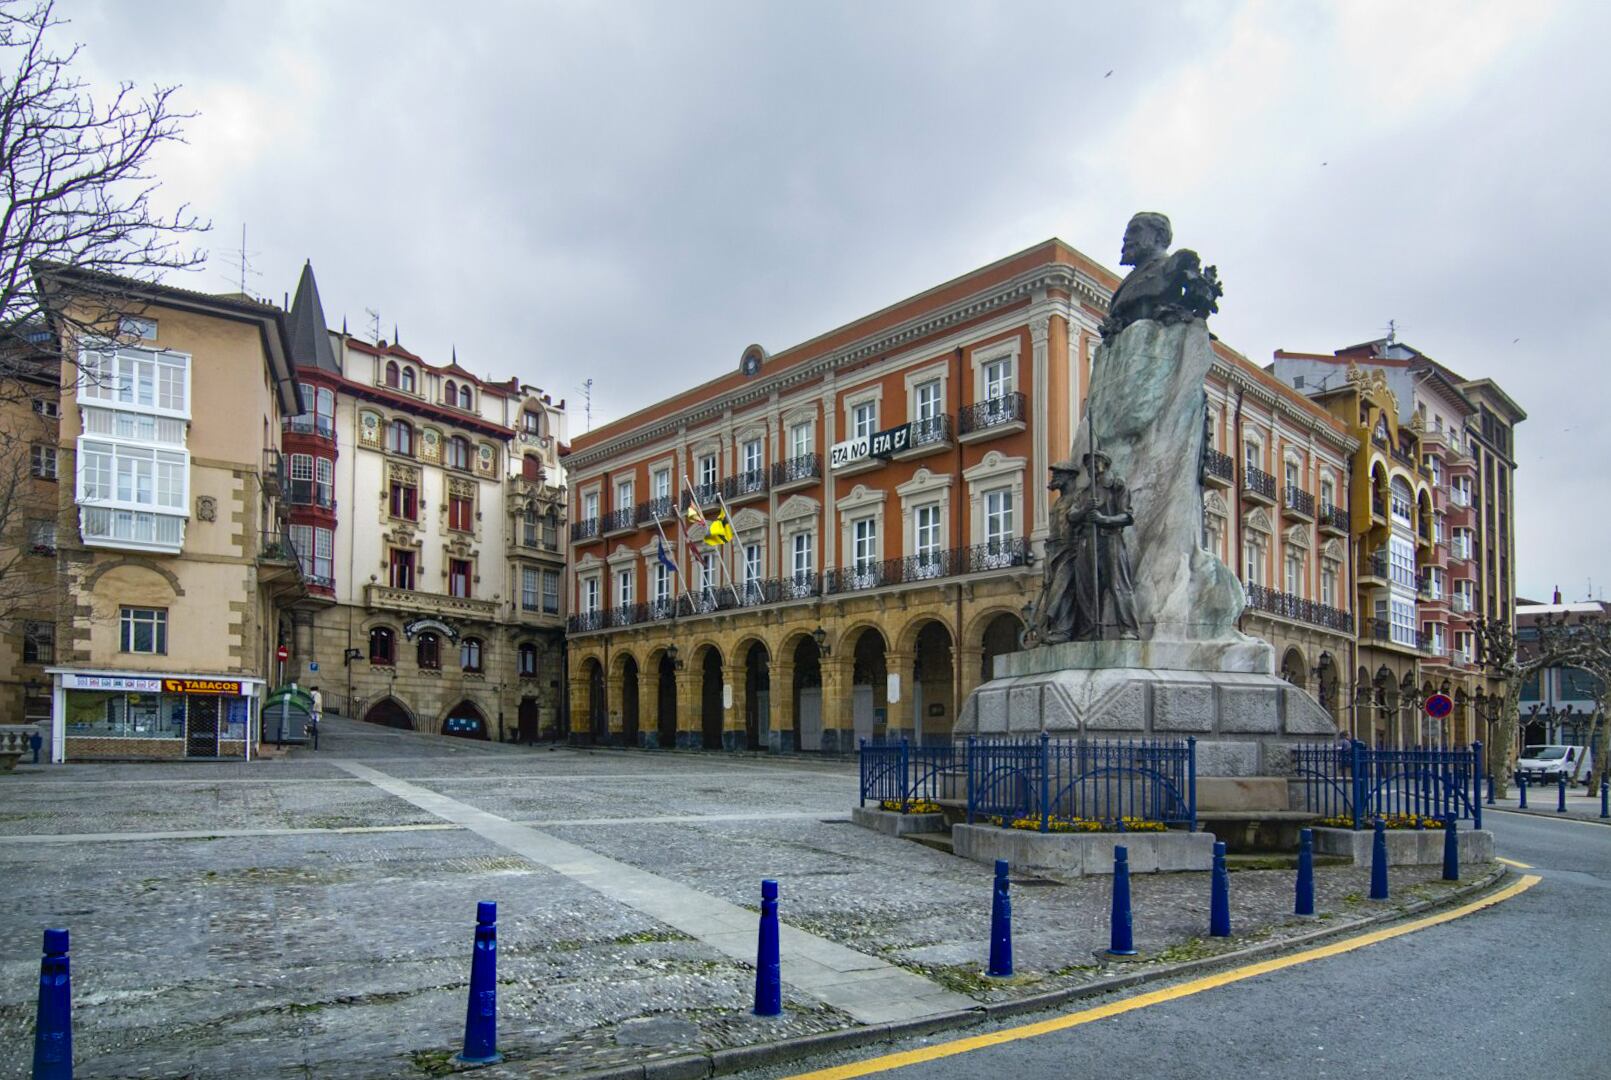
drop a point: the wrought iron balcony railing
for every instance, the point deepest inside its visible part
(617, 520)
(587, 529)
(1299, 500)
(1258, 482)
(996, 412)
(656, 509)
(797, 469)
(930, 431)
(1218, 464)
(1288, 606)
(745, 484)
(1334, 517)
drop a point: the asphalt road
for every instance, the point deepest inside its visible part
(1519, 989)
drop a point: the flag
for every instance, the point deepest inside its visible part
(718, 531)
(692, 514)
(665, 560)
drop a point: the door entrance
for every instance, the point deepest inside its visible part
(201, 727)
(529, 722)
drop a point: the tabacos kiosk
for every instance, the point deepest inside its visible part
(159, 715)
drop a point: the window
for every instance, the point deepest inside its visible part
(137, 377)
(623, 587)
(133, 476)
(590, 595)
(528, 660)
(1290, 474)
(801, 439)
(1328, 585)
(47, 407)
(38, 643)
(531, 468)
(752, 571)
(136, 327)
(863, 419)
(325, 483)
(404, 502)
(751, 457)
(1252, 454)
(590, 505)
(470, 654)
(997, 378)
(929, 404)
(531, 422)
(707, 470)
(1401, 561)
(461, 511)
(42, 537)
(998, 518)
(42, 461)
(1434, 583)
(459, 574)
(401, 569)
(1328, 493)
(1252, 562)
(864, 545)
(458, 452)
(550, 592)
(529, 529)
(530, 585)
(466, 402)
(926, 541)
(382, 646)
(400, 438)
(451, 393)
(707, 577)
(1295, 574)
(408, 379)
(660, 484)
(623, 495)
(428, 652)
(1402, 500)
(143, 630)
(1403, 616)
(662, 584)
(301, 477)
(1460, 492)
(1437, 468)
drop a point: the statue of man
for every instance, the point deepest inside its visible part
(1056, 612)
(1105, 594)
(1162, 287)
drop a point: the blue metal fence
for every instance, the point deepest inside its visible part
(1045, 779)
(903, 773)
(1350, 780)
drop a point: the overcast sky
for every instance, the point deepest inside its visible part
(637, 191)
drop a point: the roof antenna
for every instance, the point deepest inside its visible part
(245, 258)
(374, 325)
(587, 392)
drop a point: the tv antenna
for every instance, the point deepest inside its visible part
(587, 402)
(245, 263)
(374, 325)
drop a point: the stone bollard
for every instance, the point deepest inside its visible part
(1378, 862)
(481, 1012)
(768, 965)
(1219, 906)
(1000, 926)
(1451, 850)
(1122, 938)
(53, 1030)
(1305, 904)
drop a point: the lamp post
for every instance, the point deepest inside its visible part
(347, 657)
(820, 636)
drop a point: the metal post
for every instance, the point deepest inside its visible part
(1000, 926)
(768, 967)
(1306, 873)
(1521, 790)
(1605, 797)
(861, 759)
(1477, 764)
(906, 773)
(1122, 938)
(53, 1028)
(1490, 789)
(1219, 908)
(1358, 749)
(973, 742)
(1451, 850)
(1560, 798)
(481, 1012)
(1191, 782)
(1045, 781)
(1378, 862)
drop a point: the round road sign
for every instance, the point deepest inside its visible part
(283, 653)
(1438, 706)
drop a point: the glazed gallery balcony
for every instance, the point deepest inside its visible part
(913, 569)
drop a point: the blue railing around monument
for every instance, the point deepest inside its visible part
(1108, 781)
(1350, 780)
(903, 773)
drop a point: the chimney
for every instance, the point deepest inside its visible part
(1557, 599)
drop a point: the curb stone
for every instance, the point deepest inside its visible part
(756, 1055)
(1587, 817)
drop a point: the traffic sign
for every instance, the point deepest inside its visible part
(1438, 706)
(313, 665)
(283, 653)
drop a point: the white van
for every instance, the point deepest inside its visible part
(1546, 764)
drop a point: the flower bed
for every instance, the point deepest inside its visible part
(912, 806)
(1080, 825)
(1390, 821)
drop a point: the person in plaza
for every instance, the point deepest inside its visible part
(1056, 612)
(318, 711)
(1105, 597)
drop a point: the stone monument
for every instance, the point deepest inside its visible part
(1134, 632)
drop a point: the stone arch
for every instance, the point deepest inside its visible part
(994, 632)
(466, 720)
(598, 721)
(661, 671)
(390, 711)
(1293, 668)
(805, 690)
(868, 651)
(158, 569)
(754, 657)
(631, 694)
(929, 690)
(711, 672)
(695, 653)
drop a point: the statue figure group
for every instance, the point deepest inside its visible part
(1087, 592)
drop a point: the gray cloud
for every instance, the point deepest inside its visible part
(636, 191)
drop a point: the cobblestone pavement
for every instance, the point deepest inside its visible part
(342, 949)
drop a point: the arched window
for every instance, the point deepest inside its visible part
(531, 467)
(470, 654)
(451, 396)
(528, 660)
(466, 402)
(408, 379)
(382, 646)
(1403, 499)
(400, 437)
(392, 377)
(458, 452)
(531, 422)
(428, 652)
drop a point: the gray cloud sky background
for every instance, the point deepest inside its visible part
(634, 192)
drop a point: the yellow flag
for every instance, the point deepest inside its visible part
(693, 516)
(719, 532)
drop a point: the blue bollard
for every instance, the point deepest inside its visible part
(1490, 789)
(1521, 790)
(1219, 906)
(1605, 797)
(1000, 926)
(1560, 799)
(53, 1031)
(1122, 941)
(768, 967)
(481, 1012)
(1451, 850)
(1306, 873)
(1378, 862)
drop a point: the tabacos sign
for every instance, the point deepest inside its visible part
(880, 444)
(201, 686)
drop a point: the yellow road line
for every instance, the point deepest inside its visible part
(1169, 993)
(1513, 862)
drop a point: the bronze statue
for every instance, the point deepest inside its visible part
(1104, 592)
(1056, 611)
(1162, 287)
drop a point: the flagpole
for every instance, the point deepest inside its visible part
(727, 512)
(682, 589)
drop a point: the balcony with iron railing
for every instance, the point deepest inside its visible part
(987, 419)
(800, 471)
(749, 484)
(274, 472)
(660, 509)
(1218, 468)
(927, 566)
(418, 601)
(1298, 503)
(706, 494)
(586, 529)
(1296, 608)
(929, 435)
(622, 520)
(1258, 485)
(1334, 519)
(1375, 566)
(308, 424)
(1404, 458)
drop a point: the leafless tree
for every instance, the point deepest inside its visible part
(77, 189)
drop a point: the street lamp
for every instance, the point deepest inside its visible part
(671, 655)
(820, 636)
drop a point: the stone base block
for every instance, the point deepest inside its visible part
(1405, 847)
(1241, 793)
(1084, 853)
(1248, 655)
(891, 823)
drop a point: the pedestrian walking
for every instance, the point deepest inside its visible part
(318, 711)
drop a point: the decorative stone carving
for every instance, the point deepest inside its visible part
(369, 429)
(206, 508)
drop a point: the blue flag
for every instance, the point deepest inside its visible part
(665, 560)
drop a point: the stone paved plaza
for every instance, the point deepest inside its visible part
(312, 915)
